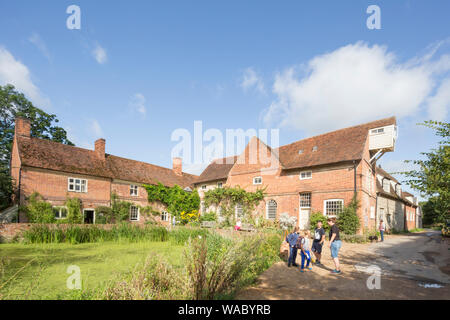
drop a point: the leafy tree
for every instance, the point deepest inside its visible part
(13, 104)
(433, 211)
(432, 177)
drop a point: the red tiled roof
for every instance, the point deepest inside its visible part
(341, 145)
(217, 170)
(46, 154)
(383, 173)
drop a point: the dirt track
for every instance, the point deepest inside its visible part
(406, 262)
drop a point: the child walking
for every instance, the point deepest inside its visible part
(305, 252)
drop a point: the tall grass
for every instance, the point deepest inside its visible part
(181, 235)
(214, 267)
(76, 234)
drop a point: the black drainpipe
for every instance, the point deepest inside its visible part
(354, 176)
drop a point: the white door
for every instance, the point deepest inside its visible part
(303, 219)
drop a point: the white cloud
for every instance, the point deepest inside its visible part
(250, 79)
(137, 103)
(99, 54)
(439, 104)
(14, 72)
(40, 44)
(95, 128)
(351, 85)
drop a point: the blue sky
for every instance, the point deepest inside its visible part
(138, 70)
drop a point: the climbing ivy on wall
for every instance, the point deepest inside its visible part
(227, 198)
(175, 198)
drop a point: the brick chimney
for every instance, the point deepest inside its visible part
(22, 127)
(177, 166)
(100, 148)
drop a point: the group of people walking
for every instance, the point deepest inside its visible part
(300, 241)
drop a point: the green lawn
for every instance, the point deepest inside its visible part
(45, 276)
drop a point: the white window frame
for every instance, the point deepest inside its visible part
(164, 216)
(267, 209)
(377, 131)
(325, 206)
(203, 187)
(138, 213)
(257, 183)
(134, 187)
(75, 184)
(60, 207)
(300, 202)
(219, 184)
(307, 177)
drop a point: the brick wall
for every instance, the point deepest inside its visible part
(327, 182)
(53, 187)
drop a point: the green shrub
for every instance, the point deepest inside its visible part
(316, 217)
(120, 209)
(209, 216)
(38, 210)
(104, 215)
(348, 220)
(74, 210)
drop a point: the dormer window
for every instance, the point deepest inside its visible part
(398, 190)
(386, 184)
(133, 190)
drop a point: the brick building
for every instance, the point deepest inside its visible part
(57, 171)
(399, 209)
(320, 173)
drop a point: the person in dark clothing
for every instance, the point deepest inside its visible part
(292, 240)
(335, 243)
(319, 239)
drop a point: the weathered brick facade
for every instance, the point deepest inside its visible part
(340, 163)
(49, 166)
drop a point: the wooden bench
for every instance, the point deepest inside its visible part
(208, 224)
(247, 227)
